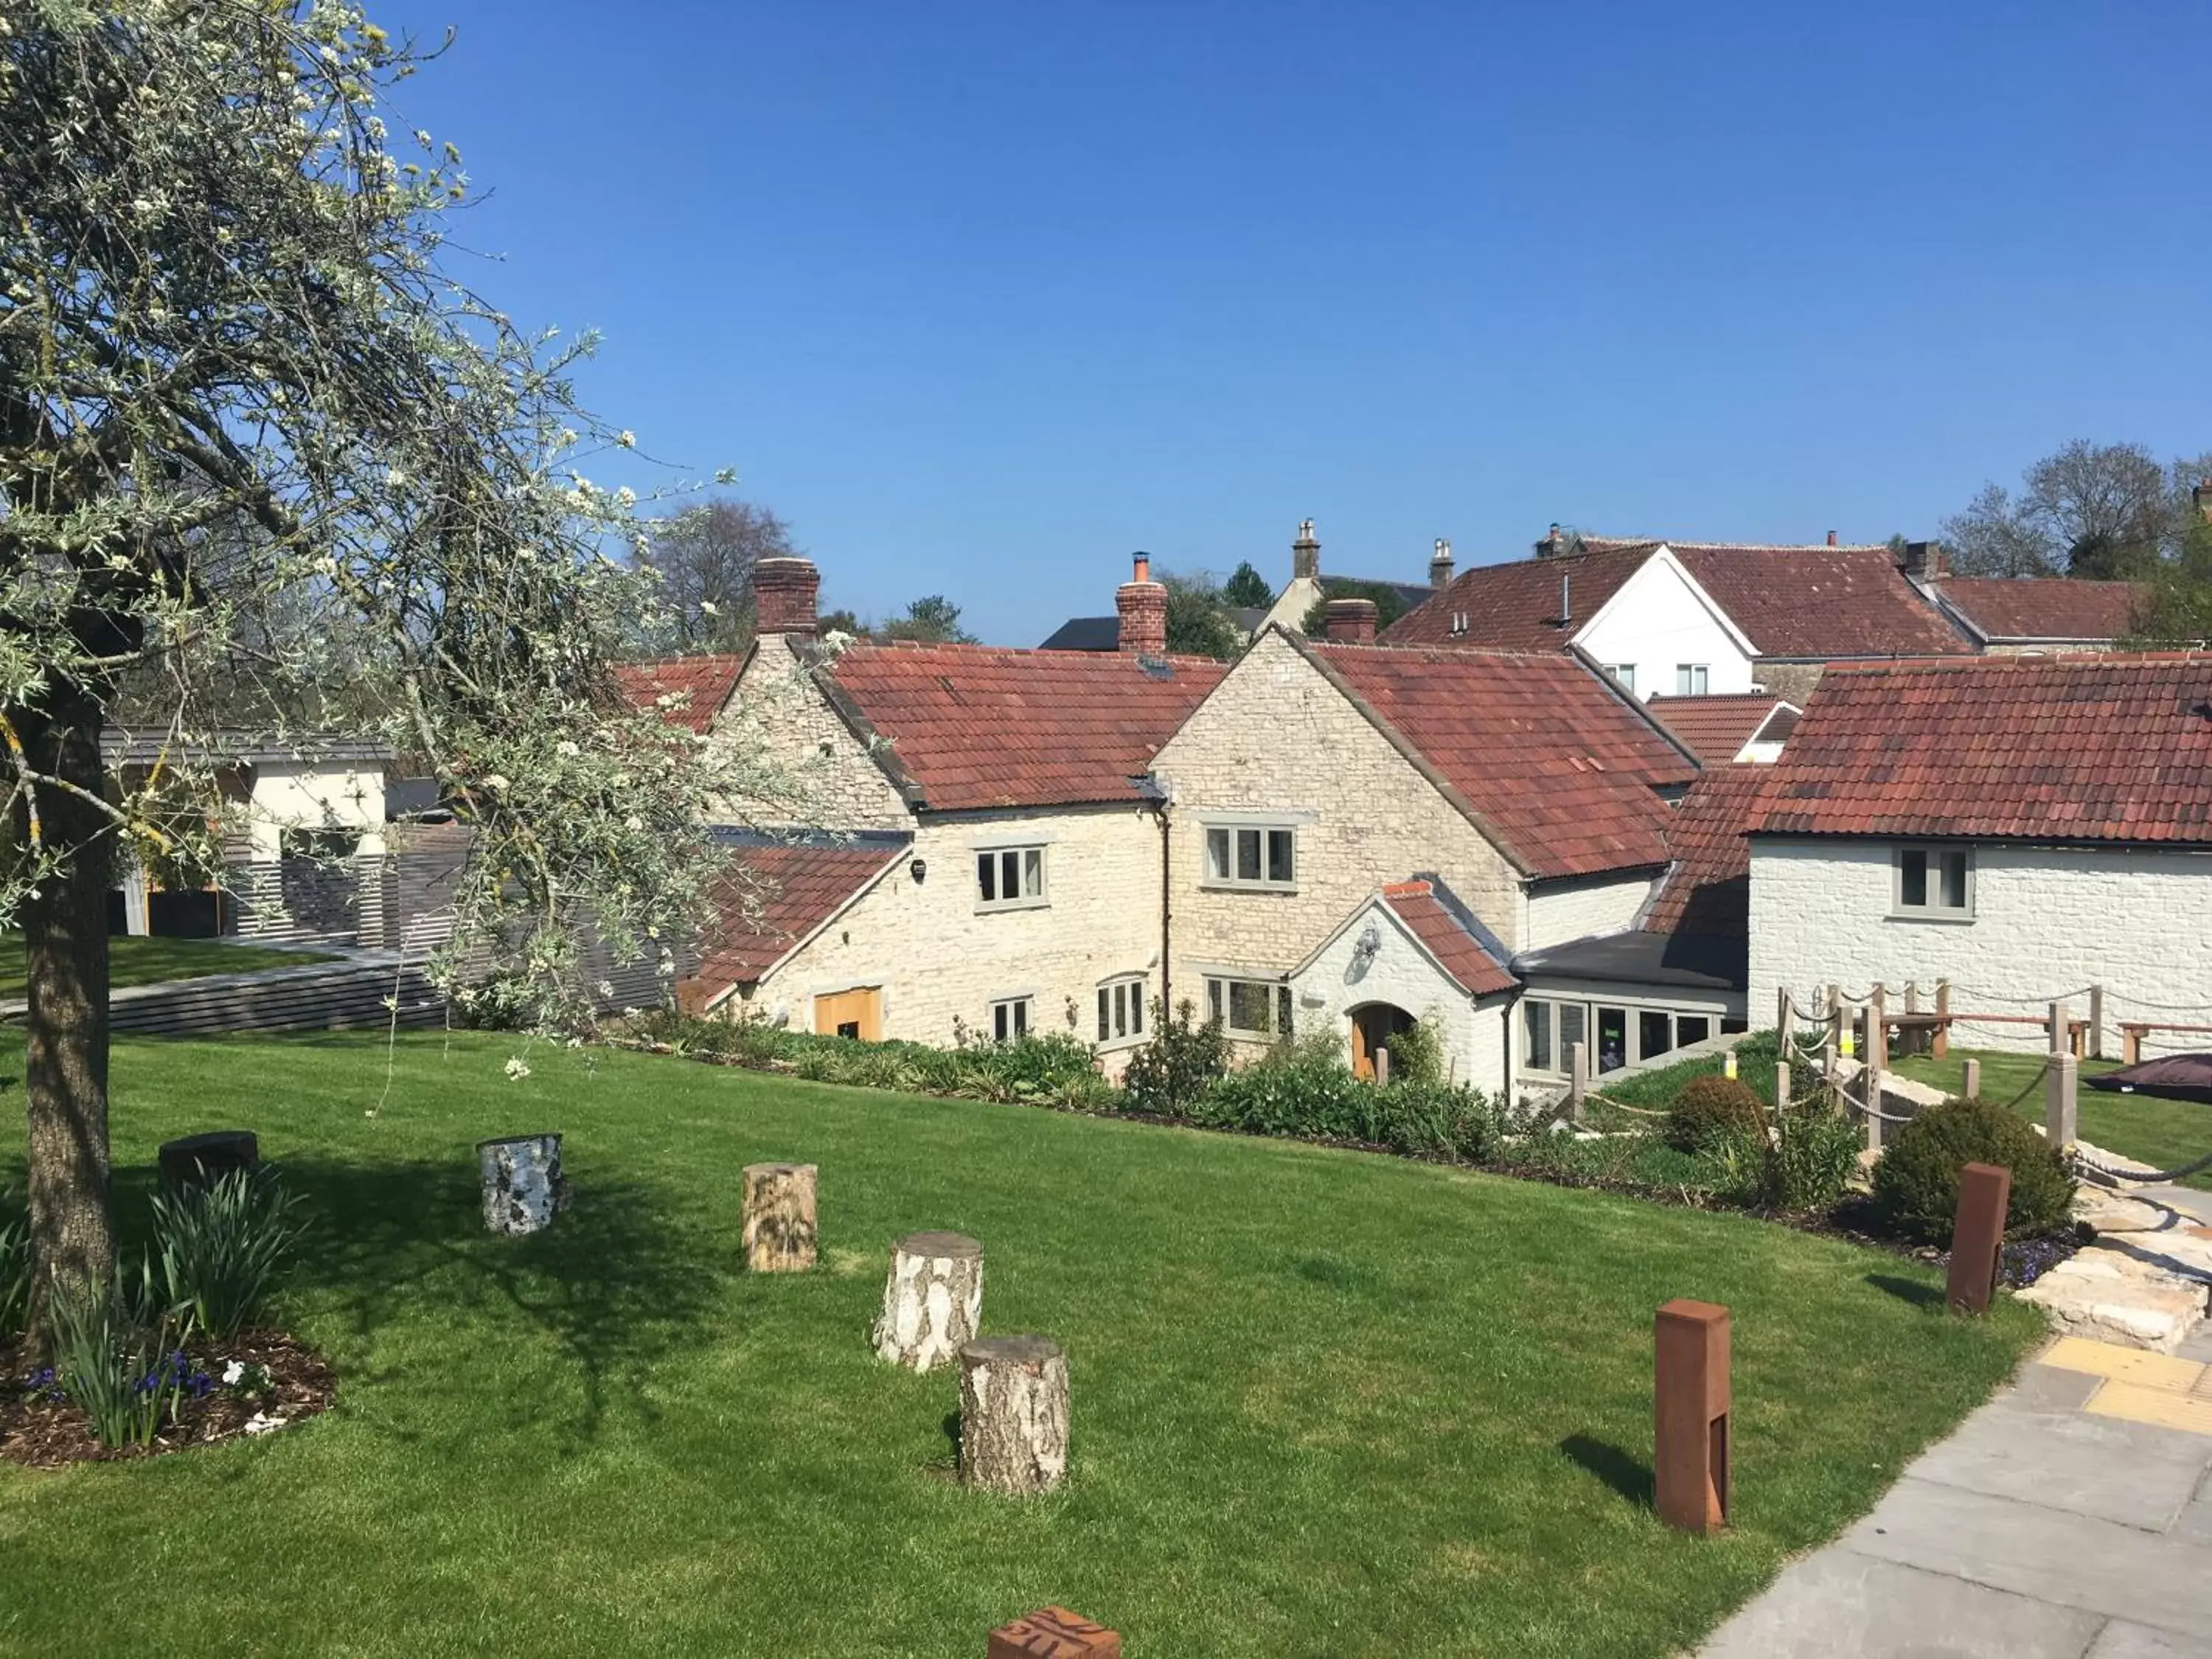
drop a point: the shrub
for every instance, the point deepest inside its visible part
(1417, 1053)
(1301, 1088)
(1812, 1164)
(1179, 1064)
(117, 1357)
(1436, 1120)
(1915, 1184)
(505, 1001)
(1706, 1108)
(15, 1268)
(222, 1247)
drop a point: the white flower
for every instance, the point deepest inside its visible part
(261, 1422)
(395, 476)
(627, 496)
(709, 607)
(633, 823)
(567, 748)
(516, 1070)
(233, 1373)
(498, 780)
(626, 438)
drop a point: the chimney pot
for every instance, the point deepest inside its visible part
(1832, 538)
(1305, 552)
(1349, 622)
(1143, 604)
(1143, 567)
(785, 592)
(1440, 564)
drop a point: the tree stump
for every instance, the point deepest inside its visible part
(523, 1187)
(779, 1216)
(204, 1159)
(1014, 1414)
(933, 1301)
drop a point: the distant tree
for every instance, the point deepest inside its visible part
(933, 619)
(1199, 623)
(842, 622)
(2102, 511)
(2174, 605)
(1247, 589)
(1390, 603)
(705, 557)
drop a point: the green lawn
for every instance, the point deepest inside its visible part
(137, 960)
(2162, 1133)
(1325, 1403)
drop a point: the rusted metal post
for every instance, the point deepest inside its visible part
(2061, 1087)
(1577, 1079)
(1052, 1634)
(1690, 1406)
(1940, 1045)
(2096, 1022)
(1977, 1236)
(1970, 1085)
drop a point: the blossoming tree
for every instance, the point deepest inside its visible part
(265, 461)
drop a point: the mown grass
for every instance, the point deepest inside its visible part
(1325, 1402)
(136, 959)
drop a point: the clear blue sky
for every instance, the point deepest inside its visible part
(981, 297)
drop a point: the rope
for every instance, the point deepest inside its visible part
(2162, 1007)
(1958, 990)
(1620, 1105)
(2144, 1177)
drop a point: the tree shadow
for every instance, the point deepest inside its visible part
(1908, 1289)
(1626, 1474)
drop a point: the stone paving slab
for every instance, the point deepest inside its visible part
(2136, 1474)
(1837, 1605)
(2122, 1640)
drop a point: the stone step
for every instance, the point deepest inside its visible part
(2145, 1282)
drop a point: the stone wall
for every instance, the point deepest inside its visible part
(818, 772)
(2044, 919)
(1276, 737)
(1792, 682)
(1403, 974)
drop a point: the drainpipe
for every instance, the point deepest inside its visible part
(1167, 843)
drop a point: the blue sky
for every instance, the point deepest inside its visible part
(982, 297)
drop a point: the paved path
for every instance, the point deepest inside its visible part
(2068, 1518)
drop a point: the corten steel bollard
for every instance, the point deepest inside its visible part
(1690, 1400)
(1054, 1633)
(1977, 1236)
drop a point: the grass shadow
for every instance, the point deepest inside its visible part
(1908, 1289)
(1627, 1474)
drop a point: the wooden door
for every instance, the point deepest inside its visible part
(1372, 1027)
(857, 1014)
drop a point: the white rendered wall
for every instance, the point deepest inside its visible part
(315, 795)
(1558, 911)
(1657, 621)
(1404, 976)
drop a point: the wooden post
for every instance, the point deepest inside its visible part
(1690, 1400)
(1781, 1087)
(1877, 1048)
(932, 1300)
(2131, 1037)
(2059, 1021)
(1970, 1084)
(202, 1160)
(2096, 1022)
(2059, 1101)
(1014, 1414)
(1832, 1040)
(1052, 1634)
(1381, 1066)
(779, 1216)
(1977, 1236)
(1782, 1022)
(1577, 1079)
(1940, 1045)
(523, 1187)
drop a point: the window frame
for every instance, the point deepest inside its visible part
(1009, 1017)
(1121, 1008)
(1220, 1003)
(1023, 855)
(1231, 833)
(1693, 679)
(1625, 672)
(1931, 906)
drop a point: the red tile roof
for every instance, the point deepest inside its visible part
(2082, 747)
(698, 686)
(979, 726)
(1443, 930)
(1561, 767)
(1706, 894)
(779, 894)
(2041, 608)
(1717, 728)
(1819, 603)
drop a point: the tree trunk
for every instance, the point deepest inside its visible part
(933, 1301)
(65, 952)
(779, 1216)
(523, 1187)
(1014, 1414)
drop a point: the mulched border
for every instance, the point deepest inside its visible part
(42, 1433)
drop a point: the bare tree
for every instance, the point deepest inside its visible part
(2102, 511)
(705, 557)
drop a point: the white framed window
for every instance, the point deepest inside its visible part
(1009, 878)
(1935, 882)
(1549, 1030)
(1692, 679)
(1254, 1008)
(1010, 1019)
(1625, 672)
(1264, 855)
(1121, 1010)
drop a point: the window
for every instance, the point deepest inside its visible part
(1261, 855)
(1655, 1032)
(1612, 1040)
(1691, 1028)
(1625, 673)
(1691, 679)
(1936, 881)
(1008, 877)
(1010, 1019)
(1250, 1007)
(1121, 1010)
(1536, 1035)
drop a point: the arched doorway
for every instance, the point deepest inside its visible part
(1372, 1027)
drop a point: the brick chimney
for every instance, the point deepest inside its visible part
(1143, 604)
(1305, 552)
(1554, 544)
(1924, 562)
(784, 592)
(1832, 538)
(1440, 564)
(1349, 622)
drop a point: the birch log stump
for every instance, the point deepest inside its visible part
(933, 1301)
(779, 1212)
(523, 1187)
(1014, 1414)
